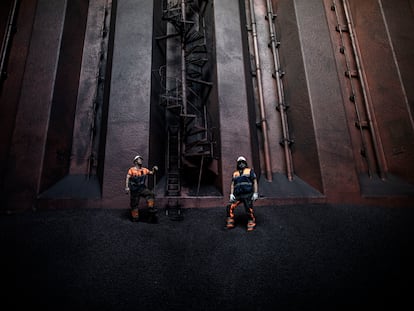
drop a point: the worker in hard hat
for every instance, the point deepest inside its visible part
(244, 189)
(136, 186)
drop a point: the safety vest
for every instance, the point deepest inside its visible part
(137, 179)
(243, 182)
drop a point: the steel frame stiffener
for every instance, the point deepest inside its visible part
(258, 74)
(7, 40)
(281, 106)
(371, 149)
(278, 74)
(96, 108)
(189, 136)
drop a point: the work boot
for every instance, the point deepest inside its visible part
(134, 215)
(251, 225)
(153, 218)
(229, 223)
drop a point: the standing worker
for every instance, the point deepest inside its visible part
(136, 186)
(244, 190)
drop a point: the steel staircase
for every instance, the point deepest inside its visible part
(189, 139)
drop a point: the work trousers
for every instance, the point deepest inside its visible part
(248, 206)
(135, 197)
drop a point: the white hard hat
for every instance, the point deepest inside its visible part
(241, 158)
(137, 157)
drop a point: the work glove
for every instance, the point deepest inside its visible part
(155, 168)
(232, 198)
(255, 196)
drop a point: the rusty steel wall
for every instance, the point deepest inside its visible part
(380, 45)
(82, 97)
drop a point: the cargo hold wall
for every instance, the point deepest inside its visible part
(87, 85)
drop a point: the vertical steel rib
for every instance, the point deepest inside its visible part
(6, 44)
(375, 141)
(263, 123)
(280, 91)
(354, 97)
